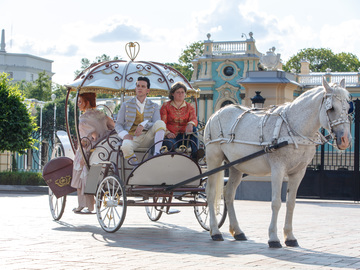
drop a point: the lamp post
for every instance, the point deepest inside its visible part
(40, 146)
(53, 97)
(258, 101)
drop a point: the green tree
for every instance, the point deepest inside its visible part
(48, 116)
(322, 59)
(183, 69)
(86, 63)
(16, 122)
(40, 89)
(185, 65)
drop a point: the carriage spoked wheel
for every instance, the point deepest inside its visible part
(154, 212)
(202, 212)
(57, 206)
(111, 203)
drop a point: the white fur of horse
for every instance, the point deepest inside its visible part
(305, 116)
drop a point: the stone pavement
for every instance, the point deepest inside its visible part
(328, 233)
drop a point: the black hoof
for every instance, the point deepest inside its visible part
(274, 244)
(291, 243)
(217, 237)
(240, 237)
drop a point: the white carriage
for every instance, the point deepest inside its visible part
(158, 182)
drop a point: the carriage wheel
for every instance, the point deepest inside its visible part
(154, 212)
(111, 203)
(57, 206)
(202, 212)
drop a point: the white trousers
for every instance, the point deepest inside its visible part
(144, 140)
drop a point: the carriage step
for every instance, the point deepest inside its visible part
(173, 211)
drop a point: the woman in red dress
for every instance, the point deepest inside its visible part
(180, 119)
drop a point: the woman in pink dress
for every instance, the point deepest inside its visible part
(93, 125)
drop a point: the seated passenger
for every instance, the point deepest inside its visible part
(93, 125)
(138, 122)
(180, 119)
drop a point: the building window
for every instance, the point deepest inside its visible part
(226, 102)
(31, 77)
(228, 71)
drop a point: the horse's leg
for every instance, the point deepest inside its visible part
(229, 195)
(277, 176)
(293, 185)
(214, 158)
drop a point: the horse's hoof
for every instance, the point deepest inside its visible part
(217, 237)
(274, 244)
(240, 237)
(291, 243)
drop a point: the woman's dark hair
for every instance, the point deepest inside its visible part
(91, 97)
(145, 79)
(175, 87)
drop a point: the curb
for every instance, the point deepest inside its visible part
(26, 189)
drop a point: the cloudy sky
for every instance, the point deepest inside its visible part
(68, 30)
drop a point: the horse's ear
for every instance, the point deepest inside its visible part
(326, 86)
(342, 83)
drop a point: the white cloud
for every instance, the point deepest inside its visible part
(163, 30)
(337, 37)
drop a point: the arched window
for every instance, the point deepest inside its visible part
(226, 102)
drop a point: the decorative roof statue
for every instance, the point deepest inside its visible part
(271, 60)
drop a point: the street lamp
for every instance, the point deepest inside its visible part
(258, 101)
(40, 157)
(53, 97)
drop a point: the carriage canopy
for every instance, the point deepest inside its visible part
(119, 77)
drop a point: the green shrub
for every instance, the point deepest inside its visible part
(21, 178)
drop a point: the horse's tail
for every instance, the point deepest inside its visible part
(216, 186)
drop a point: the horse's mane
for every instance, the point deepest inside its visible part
(342, 92)
(338, 91)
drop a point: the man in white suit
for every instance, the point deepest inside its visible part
(139, 123)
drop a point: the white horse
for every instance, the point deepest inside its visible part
(234, 132)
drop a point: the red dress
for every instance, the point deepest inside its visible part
(177, 119)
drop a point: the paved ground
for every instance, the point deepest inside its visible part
(328, 234)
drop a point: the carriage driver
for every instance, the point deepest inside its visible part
(139, 123)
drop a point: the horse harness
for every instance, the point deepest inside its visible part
(294, 137)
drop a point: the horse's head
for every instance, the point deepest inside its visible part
(334, 114)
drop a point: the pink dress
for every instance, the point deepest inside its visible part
(93, 125)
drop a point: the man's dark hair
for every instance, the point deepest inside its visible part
(145, 79)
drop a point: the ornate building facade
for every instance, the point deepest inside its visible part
(232, 72)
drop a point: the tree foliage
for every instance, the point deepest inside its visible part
(40, 89)
(185, 60)
(48, 117)
(86, 63)
(16, 122)
(322, 59)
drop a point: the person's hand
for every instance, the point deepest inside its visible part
(171, 135)
(128, 137)
(84, 143)
(189, 128)
(138, 130)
